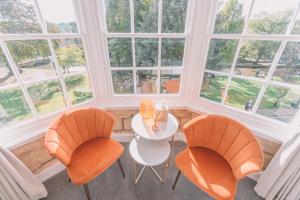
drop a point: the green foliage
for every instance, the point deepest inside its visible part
(213, 87)
(220, 54)
(258, 51)
(18, 17)
(146, 16)
(172, 51)
(27, 50)
(173, 16)
(117, 15)
(81, 96)
(146, 52)
(13, 102)
(44, 91)
(265, 23)
(230, 19)
(120, 53)
(74, 81)
(69, 56)
(123, 82)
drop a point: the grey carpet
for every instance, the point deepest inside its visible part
(111, 186)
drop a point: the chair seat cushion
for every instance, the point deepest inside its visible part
(209, 171)
(92, 158)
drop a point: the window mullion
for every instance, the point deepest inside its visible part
(269, 76)
(131, 7)
(39, 16)
(58, 70)
(159, 46)
(236, 55)
(18, 77)
(275, 62)
(293, 20)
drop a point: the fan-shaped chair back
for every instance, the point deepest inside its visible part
(74, 128)
(229, 138)
(172, 86)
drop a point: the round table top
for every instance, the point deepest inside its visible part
(148, 152)
(143, 127)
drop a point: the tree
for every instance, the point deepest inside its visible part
(18, 17)
(230, 19)
(117, 15)
(69, 56)
(146, 15)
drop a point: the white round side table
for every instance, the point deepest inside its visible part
(150, 147)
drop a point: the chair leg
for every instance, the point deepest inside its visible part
(177, 177)
(87, 192)
(120, 165)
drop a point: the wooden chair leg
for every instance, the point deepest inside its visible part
(177, 177)
(87, 192)
(120, 165)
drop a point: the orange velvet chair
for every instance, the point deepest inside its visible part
(80, 139)
(220, 151)
(172, 86)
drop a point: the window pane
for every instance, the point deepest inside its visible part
(271, 17)
(170, 81)
(146, 52)
(231, 16)
(70, 55)
(146, 16)
(18, 16)
(13, 106)
(120, 53)
(47, 96)
(256, 57)
(6, 73)
(117, 16)
(288, 67)
(172, 51)
(173, 16)
(146, 81)
(242, 93)
(279, 103)
(59, 16)
(296, 28)
(213, 87)
(122, 82)
(79, 88)
(220, 54)
(33, 59)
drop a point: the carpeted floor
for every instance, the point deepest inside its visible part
(111, 185)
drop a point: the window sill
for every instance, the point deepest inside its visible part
(26, 131)
(268, 129)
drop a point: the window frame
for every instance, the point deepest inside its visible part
(13, 134)
(199, 24)
(241, 37)
(133, 35)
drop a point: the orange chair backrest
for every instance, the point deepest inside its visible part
(172, 86)
(74, 128)
(236, 143)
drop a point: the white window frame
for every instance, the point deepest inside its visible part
(13, 133)
(267, 126)
(159, 35)
(198, 32)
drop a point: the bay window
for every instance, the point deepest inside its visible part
(43, 67)
(253, 61)
(146, 44)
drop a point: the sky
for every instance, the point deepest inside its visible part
(269, 6)
(57, 10)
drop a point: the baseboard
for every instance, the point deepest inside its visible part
(123, 137)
